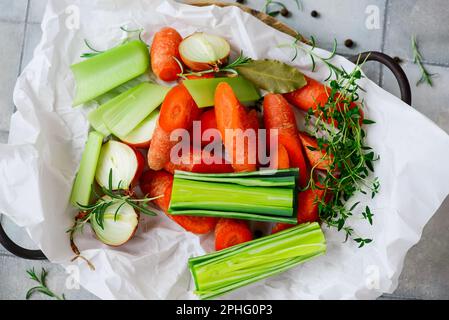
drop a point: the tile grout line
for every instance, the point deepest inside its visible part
(25, 29)
(382, 46)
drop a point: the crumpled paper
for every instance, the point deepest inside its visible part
(47, 136)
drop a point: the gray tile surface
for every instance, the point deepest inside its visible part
(428, 20)
(13, 11)
(37, 9)
(431, 101)
(12, 35)
(32, 39)
(426, 271)
(15, 282)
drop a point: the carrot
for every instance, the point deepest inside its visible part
(199, 162)
(317, 157)
(314, 95)
(208, 121)
(163, 51)
(282, 161)
(232, 115)
(160, 148)
(279, 115)
(307, 208)
(157, 183)
(179, 110)
(230, 232)
(200, 76)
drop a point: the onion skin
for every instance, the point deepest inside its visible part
(140, 166)
(198, 66)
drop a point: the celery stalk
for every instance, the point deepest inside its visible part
(203, 90)
(250, 196)
(126, 111)
(104, 72)
(82, 187)
(217, 273)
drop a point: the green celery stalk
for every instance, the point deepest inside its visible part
(188, 194)
(203, 90)
(253, 182)
(126, 111)
(236, 215)
(82, 187)
(223, 271)
(104, 72)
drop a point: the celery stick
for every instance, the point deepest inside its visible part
(126, 111)
(82, 187)
(235, 215)
(203, 90)
(104, 72)
(217, 273)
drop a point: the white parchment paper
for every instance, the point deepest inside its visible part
(47, 136)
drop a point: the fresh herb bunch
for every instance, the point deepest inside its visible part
(337, 126)
(42, 287)
(426, 76)
(229, 68)
(94, 52)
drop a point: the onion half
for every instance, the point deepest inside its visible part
(116, 232)
(201, 51)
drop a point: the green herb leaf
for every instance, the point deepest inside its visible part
(272, 76)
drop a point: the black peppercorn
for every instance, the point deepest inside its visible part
(314, 13)
(285, 12)
(397, 59)
(240, 1)
(349, 43)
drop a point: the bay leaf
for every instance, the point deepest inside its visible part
(272, 75)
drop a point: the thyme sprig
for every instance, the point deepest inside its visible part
(337, 126)
(426, 76)
(42, 287)
(229, 68)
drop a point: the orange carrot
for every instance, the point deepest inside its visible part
(160, 148)
(278, 114)
(230, 232)
(307, 208)
(312, 95)
(199, 162)
(232, 115)
(208, 121)
(157, 183)
(282, 161)
(317, 158)
(179, 110)
(163, 51)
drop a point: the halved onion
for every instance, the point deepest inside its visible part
(117, 229)
(201, 51)
(125, 163)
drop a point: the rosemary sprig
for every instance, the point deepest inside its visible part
(426, 76)
(229, 68)
(42, 287)
(98, 209)
(337, 126)
(94, 52)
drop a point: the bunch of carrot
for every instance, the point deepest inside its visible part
(179, 110)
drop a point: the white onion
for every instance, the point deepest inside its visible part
(201, 51)
(116, 233)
